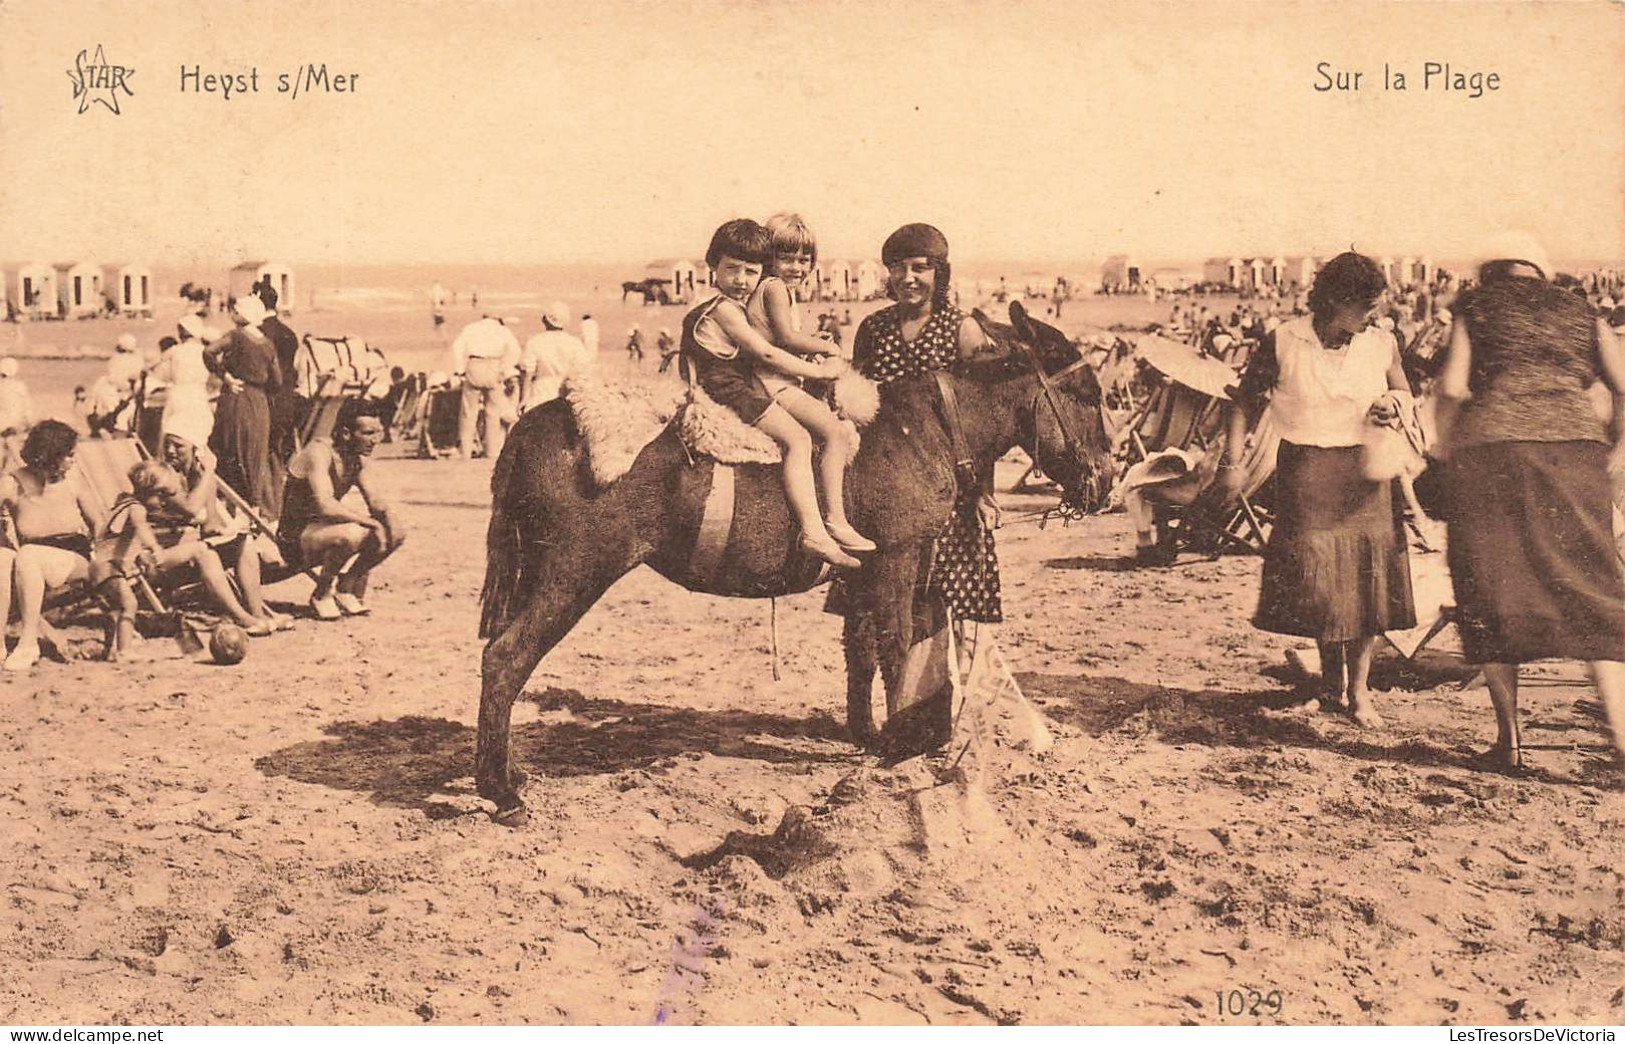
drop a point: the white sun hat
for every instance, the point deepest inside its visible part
(1513, 245)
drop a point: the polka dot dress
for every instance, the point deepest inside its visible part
(965, 568)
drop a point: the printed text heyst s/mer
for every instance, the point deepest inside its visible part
(308, 78)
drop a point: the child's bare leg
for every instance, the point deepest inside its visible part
(796, 445)
(118, 593)
(834, 447)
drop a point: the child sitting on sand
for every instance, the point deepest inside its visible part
(724, 353)
(772, 312)
(129, 545)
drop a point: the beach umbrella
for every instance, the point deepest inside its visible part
(1182, 363)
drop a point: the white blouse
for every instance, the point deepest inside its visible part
(1322, 395)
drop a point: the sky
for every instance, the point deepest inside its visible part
(601, 131)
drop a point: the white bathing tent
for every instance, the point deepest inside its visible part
(79, 289)
(871, 279)
(682, 281)
(32, 290)
(132, 290)
(1299, 272)
(838, 277)
(279, 275)
(1120, 272)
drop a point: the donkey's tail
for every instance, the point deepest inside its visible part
(503, 551)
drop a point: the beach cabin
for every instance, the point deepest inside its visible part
(1275, 271)
(32, 291)
(132, 290)
(1390, 270)
(279, 275)
(871, 280)
(1422, 271)
(682, 281)
(840, 280)
(1299, 272)
(1254, 274)
(1120, 272)
(78, 290)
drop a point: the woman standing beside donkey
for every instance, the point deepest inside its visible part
(1336, 567)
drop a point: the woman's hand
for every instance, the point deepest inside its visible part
(1385, 409)
(826, 367)
(988, 511)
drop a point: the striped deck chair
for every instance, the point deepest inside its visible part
(329, 371)
(101, 469)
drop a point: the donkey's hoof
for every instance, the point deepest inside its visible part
(517, 777)
(864, 735)
(512, 817)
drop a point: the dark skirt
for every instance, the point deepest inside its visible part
(241, 440)
(1532, 555)
(964, 567)
(1336, 568)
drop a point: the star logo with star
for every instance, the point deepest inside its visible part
(96, 80)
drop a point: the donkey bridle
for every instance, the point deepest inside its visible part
(964, 466)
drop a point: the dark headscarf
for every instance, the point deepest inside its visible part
(917, 240)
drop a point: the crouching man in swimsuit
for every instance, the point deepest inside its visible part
(54, 519)
(318, 529)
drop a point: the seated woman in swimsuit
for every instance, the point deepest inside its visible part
(54, 519)
(129, 545)
(319, 529)
(185, 446)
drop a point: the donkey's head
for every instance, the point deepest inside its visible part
(1061, 422)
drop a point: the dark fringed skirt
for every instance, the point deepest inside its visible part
(1336, 567)
(1532, 555)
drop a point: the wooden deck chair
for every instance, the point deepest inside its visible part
(439, 421)
(235, 504)
(1202, 519)
(101, 469)
(328, 372)
(404, 419)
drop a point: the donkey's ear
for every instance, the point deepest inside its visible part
(980, 317)
(1018, 319)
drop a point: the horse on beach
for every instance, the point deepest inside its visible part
(556, 542)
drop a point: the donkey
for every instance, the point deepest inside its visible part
(556, 543)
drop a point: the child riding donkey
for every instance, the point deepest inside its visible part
(744, 349)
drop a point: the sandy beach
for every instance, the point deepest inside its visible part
(296, 839)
